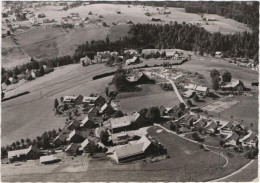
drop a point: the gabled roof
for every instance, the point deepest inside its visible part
(232, 136)
(146, 142)
(69, 98)
(72, 146)
(131, 60)
(84, 121)
(212, 124)
(250, 136)
(120, 122)
(129, 150)
(61, 137)
(89, 99)
(74, 132)
(232, 84)
(104, 107)
(201, 122)
(20, 152)
(84, 144)
(74, 123)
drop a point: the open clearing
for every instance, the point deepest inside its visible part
(53, 42)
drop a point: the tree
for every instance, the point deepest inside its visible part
(28, 141)
(222, 142)
(215, 83)
(104, 137)
(22, 141)
(196, 98)
(17, 143)
(214, 73)
(56, 103)
(173, 127)
(153, 114)
(42, 70)
(107, 91)
(189, 102)
(226, 77)
(182, 106)
(118, 114)
(61, 99)
(143, 112)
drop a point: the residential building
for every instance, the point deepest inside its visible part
(78, 100)
(198, 89)
(211, 127)
(235, 85)
(87, 146)
(162, 110)
(31, 152)
(86, 60)
(93, 112)
(75, 136)
(249, 140)
(131, 61)
(69, 99)
(72, 149)
(73, 125)
(106, 109)
(87, 123)
(49, 159)
(121, 138)
(60, 140)
(231, 139)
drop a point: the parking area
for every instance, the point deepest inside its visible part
(219, 106)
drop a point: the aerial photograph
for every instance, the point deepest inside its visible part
(129, 91)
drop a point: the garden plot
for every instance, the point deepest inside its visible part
(219, 106)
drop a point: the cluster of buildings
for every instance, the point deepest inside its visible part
(232, 133)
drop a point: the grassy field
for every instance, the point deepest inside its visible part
(53, 42)
(151, 95)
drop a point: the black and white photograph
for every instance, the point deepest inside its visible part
(129, 91)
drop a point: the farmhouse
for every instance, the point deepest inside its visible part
(72, 149)
(87, 146)
(78, 100)
(121, 138)
(232, 139)
(135, 151)
(119, 124)
(31, 152)
(198, 89)
(75, 136)
(69, 99)
(134, 60)
(172, 109)
(86, 60)
(249, 140)
(106, 109)
(60, 140)
(73, 125)
(93, 112)
(94, 101)
(87, 123)
(49, 159)
(235, 85)
(211, 127)
(227, 128)
(132, 53)
(200, 123)
(162, 110)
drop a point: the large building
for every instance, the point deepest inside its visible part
(23, 154)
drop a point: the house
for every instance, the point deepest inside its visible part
(49, 159)
(166, 12)
(137, 120)
(211, 127)
(176, 55)
(117, 125)
(172, 109)
(155, 19)
(231, 139)
(93, 112)
(31, 73)
(60, 140)
(73, 125)
(235, 85)
(134, 60)
(189, 93)
(132, 53)
(69, 99)
(78, 100)
(86, 60)
(87, 123)
(47, 69)
(87, 146)
(140, 79)
(121, 138)
(162, 110)
(249, 140)
(227, 128)
(135, 151)
(41, 15)
(218, 54)
(198, 89)
(200, 123)
(106, 109)
(31, 152)
(12, 80)
(75, 136)
(94, 101)
(72, 149)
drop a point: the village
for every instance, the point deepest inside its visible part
(97, 125)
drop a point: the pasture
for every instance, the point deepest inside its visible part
(219, 106)
(150, 96)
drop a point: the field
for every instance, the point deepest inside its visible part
(53, 42)
(150, 96)
(187, 162)
(219, 106)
